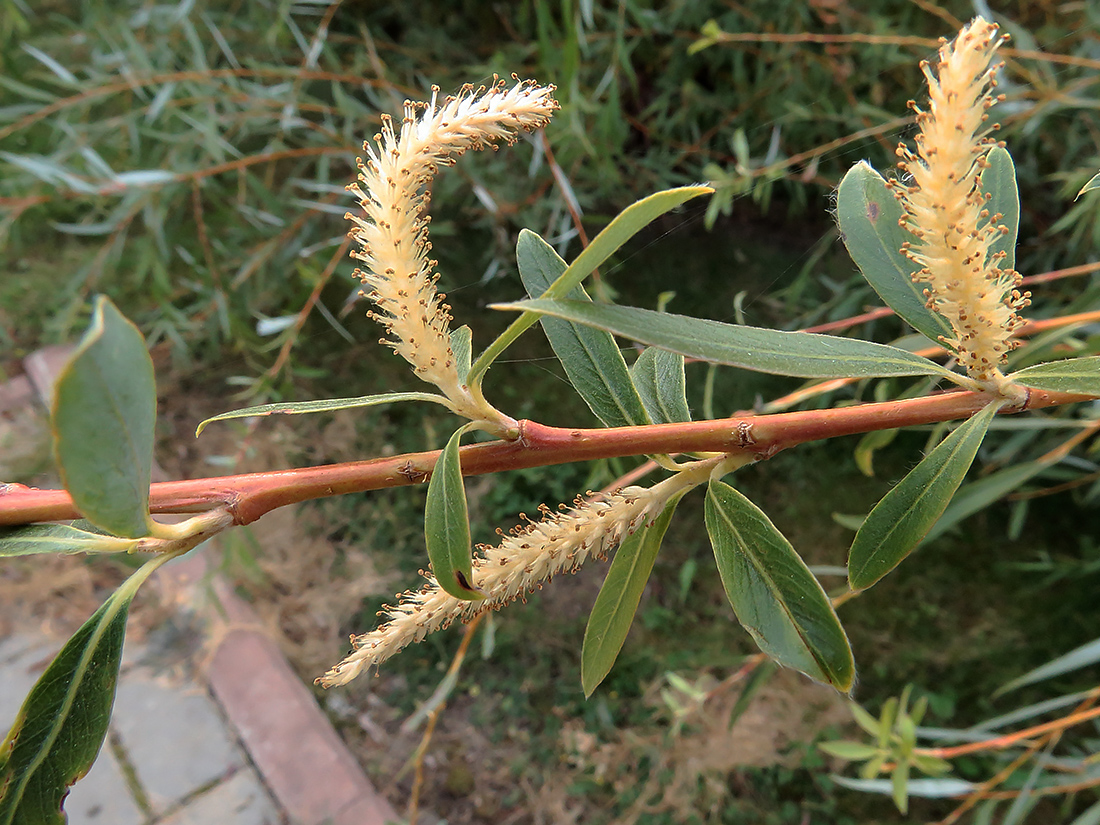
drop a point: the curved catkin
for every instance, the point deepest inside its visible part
(392, 231)
(532, 554)
(945, 207)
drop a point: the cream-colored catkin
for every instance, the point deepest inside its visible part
(532, 554)
(392, 232)
(945, 207)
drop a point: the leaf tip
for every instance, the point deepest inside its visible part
(591, 678)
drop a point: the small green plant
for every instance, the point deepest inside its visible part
(894, 748)
(937, 244)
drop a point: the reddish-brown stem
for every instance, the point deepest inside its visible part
(249, 496)
(1048, 740)
(1011, 739)
(284, 353)
(855, 320)
(1029, 328)
(204, 238)
(891, 40)
(567, 195)
(433, 717)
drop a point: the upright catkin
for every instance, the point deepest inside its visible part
(945, 206)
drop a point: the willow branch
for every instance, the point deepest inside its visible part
(1007, 741)
(248, 496)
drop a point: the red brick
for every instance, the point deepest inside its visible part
(300, 755)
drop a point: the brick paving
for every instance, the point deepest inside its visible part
(239, 740)
(170, 749)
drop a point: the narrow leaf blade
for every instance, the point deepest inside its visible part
(618, 599)
(625, 225)
(462, 344)
(982, 729)
(848, 750)
(659, 376)
(899, 782)
(801, 354)
(999, 183)
(868, 444)
(323, 405)
(974, 497)
(946, 788)
(775, 596)
(1092, 815)
(868, 215)
(104, 413)
(590, 356)
(57, 538)
(1092, 184)
(61, 726)
(904, 515)
(1084, 656)
(447, 525)
(1075, 375)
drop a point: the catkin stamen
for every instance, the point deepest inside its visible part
(526, 557)
(945, 207)
(392, 232)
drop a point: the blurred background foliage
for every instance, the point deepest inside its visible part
(189, 159)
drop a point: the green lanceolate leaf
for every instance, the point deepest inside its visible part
(618, 599)
(899, 785)
(897, 524)
(1093, 183)
(970, 498)
(1075, 375)
(324, 405)
(999, 183)
(61, 726)
(868, 215)
(58, 538)
(1084, 656)
(591, 359)
(868, 444)
(849, 751)
(801, 354)
(1046, 347)
(659, 376)
(775, 596)
(104, 412)
(622, 228)
(625, 226)
(462, 345)
(447, 525)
